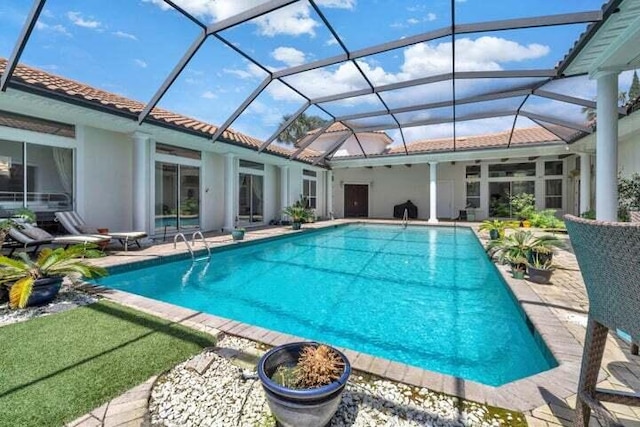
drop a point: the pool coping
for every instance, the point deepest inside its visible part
(521, 395)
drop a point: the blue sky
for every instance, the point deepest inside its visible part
(131, 46)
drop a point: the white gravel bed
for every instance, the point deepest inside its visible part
(222, 397)
(67, 299)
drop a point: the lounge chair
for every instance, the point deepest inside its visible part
(28, 235)
(608, 254)
(74, 224)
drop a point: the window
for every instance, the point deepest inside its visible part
(473, 171)
(553, 194)
(553, 168)
(251, 165)
(177, 151)
(18, 121)
(512, 170)
(47, 183)
(309, 188)
(473, 194)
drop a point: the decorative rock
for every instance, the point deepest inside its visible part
(220, 396)
(67, 299)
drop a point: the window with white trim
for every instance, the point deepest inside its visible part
(553, 172)
(473, 186)
(310, 188)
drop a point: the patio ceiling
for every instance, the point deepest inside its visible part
(462, 94)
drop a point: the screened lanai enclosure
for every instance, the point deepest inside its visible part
(385, 83)
(448, 73)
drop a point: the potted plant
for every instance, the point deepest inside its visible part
(542, 248)
(298, 212)
(38, 282)
(513, 246)
(523, 206)
(238, 233)
(496, 228)
(303, 382)
(518, 267)
(540, 272)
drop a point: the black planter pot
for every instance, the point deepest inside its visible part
(541, 257)
(538, 275)
(494, 234)
(4, 294)
(300, 407)
(296, 225)
(44, 291)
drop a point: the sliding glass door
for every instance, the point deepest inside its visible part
(177, 197)
(250, 200)
(500, 194)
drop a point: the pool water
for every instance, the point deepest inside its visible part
(425, 296)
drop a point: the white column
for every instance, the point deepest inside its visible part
(329, 190)
(607, 148)
(585, 182)
(229, 191)
(284, 188)
(140, 182)
(433, 180)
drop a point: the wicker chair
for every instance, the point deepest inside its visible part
(609, 257)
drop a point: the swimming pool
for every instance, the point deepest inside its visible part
(424, 296)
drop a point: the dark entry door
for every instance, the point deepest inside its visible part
(356, 200)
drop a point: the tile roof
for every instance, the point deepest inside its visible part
(524, 136)
(48, 83)
(340, 127)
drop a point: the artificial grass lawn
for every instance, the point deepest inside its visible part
(56, 368)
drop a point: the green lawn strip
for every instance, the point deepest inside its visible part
(55, 368)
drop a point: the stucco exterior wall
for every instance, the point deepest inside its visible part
(108, 195)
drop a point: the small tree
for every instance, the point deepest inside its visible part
(299, 127)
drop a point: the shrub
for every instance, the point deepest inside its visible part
(523, 205)
(546, 219)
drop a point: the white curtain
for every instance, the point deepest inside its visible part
(63, 158)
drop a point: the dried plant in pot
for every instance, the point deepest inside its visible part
(304, 382)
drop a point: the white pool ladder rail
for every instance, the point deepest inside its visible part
(184, 239)
(206, 245)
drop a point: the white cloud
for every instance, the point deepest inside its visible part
(269, 116)
(252, 71)
(124, 35)
(288, 55)
(61, 29)
(77, 19)
(331, 42)
(209, 95)
(413, 21)
(431, 16)
(293, 20)
(338, 4)
(140, 63)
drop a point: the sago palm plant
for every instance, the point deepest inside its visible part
(23, 272)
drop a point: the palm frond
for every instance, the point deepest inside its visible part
(20, 292)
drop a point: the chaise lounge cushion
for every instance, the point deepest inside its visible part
(35, 233)
(86, 229)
